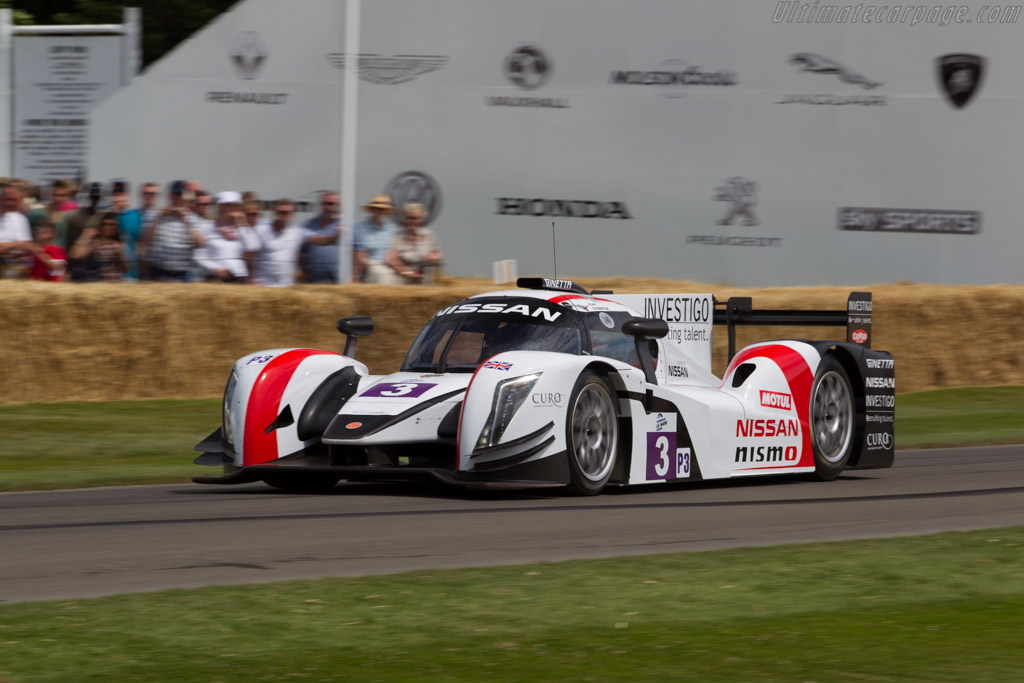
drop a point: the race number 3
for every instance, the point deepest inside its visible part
(398, 389)
(663, 459)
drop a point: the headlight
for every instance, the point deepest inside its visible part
(508, 397)
(229, 394)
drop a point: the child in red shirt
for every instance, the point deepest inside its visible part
(49, 261)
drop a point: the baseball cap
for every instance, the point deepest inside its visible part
(229, 197)
(178, 187)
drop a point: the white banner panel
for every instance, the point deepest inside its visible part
(724, 141)
(57, 82)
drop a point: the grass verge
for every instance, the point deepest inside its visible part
(946, 607)
(70, 445)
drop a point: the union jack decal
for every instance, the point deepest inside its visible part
(498, 365)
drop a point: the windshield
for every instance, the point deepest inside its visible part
(460, 343)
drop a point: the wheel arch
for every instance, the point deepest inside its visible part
(847, 355)
(624, 450)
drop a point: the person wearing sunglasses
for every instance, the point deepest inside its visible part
(278, 243)
(320, 262)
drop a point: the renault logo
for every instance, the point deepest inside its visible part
(248, 54)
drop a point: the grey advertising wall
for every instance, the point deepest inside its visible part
(721, 141)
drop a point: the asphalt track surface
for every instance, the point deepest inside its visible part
(94, 542)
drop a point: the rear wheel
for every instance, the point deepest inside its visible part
(591, 435)
(301, 482)
(832, 419)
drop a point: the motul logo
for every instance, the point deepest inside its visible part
(859, 336)
(773, 399)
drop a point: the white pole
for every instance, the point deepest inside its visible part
(6, 101)
(131, 42)
(350, 110)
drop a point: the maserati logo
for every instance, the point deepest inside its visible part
(528, 67)
(415, 187)
(384, 70)
(741, 194)
(808, 61)
(960, 77)
(248, 53)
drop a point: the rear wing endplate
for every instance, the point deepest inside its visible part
(739, 310)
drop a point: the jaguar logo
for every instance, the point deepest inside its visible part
(415, 187)
(808, 61)
(741, 194)
(528, 67)
(248, 53)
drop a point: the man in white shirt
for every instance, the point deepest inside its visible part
(15, 234)
(227, 241)
(278, 244)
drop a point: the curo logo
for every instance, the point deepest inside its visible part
(551, 399)
(757, 428)
(773, 399)
(566, 208)
(859, 336)
(415, 187)
(879, 441)
(521, 309)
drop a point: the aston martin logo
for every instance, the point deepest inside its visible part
(248, 54)
(384, 70)
(808, 61)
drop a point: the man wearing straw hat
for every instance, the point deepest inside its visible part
(371, 240)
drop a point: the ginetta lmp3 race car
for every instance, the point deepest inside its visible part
(550, 385)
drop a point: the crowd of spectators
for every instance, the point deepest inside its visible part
(94, 234)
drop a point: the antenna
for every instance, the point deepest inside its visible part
(554, 248)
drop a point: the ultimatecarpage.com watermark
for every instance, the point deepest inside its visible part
(792, 12)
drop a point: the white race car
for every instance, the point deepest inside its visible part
(550, 385)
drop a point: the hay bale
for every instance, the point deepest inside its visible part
(120, 341)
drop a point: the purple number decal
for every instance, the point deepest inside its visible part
(661, 447)
(398, 390)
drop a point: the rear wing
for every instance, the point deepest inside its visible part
(739, 310)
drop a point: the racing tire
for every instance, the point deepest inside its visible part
(296, 482)
(832, 419)
(591, 434)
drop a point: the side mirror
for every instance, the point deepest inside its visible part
(642, 330)
(353, 327)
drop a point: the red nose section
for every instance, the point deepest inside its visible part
(265, 405)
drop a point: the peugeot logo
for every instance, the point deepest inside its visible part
(528, 67)
(248, 53)
(415, 187)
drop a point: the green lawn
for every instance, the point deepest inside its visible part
(68, 445)
(946, 607)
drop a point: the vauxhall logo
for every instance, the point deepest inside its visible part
(528, 67)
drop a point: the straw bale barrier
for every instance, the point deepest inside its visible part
(104, 342)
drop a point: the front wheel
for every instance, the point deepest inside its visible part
(591, 435)
(832, 419)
